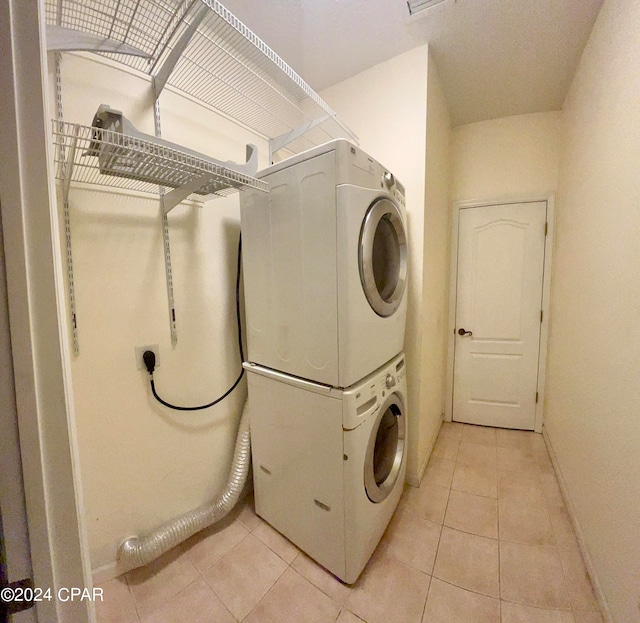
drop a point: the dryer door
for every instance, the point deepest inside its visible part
(385, 450)
(382, 257)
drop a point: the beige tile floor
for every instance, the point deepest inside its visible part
(485, 539)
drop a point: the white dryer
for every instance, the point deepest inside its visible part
(329, 464)
(325, 265)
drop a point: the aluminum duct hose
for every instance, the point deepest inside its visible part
(140, 551)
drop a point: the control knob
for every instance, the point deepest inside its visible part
(390, 381)
(389, 180)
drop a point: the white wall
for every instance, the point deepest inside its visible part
(506, 157)
(593, 390)
(435, 283)
(141, 463)
(386, 106)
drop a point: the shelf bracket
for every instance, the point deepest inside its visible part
(67, 160)
(277, 143)
(160, 78)
(173, 329)
(60, 39)
(66, 183)
(68, 167)
(171, 199)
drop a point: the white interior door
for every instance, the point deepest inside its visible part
(498, 314)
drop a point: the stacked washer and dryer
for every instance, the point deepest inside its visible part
(325, 275)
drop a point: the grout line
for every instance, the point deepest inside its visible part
(541, 608)
(469, 590)
(426, 599)
(435, 558)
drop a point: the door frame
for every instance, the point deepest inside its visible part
(37, 317)
(13, 521)
(549, 199)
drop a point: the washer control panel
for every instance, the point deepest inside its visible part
(365, 398)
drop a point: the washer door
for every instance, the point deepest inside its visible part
(382, 257)
(385, 450)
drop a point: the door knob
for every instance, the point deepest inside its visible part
(463, 332)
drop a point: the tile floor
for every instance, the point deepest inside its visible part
(485, 539)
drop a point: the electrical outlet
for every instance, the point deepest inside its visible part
(140, 351)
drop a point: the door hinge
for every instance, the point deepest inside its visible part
(537, 397)
(546, 228)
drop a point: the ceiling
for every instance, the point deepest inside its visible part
(495, 58)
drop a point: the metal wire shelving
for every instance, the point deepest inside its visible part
(95, 156)
(202, 49)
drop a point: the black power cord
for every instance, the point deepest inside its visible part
(149, 356)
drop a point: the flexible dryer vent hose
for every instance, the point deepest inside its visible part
(140, 551)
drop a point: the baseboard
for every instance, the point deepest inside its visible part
(602, 602)
(106, 573)
(112, 570)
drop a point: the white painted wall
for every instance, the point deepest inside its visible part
(143, 464)
(593, 393)
(507, 157)
(435, 277)
(386, 106)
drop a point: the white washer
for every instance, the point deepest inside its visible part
(329, 464)
(325, 265)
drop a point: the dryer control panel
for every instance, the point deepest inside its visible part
(393, 186)
(367, 172)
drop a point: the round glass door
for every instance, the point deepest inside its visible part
(383, 257)
(385, 451)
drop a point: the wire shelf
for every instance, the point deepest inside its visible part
(141, 24)
(223, 64)
(102, 157)
(227, 66)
